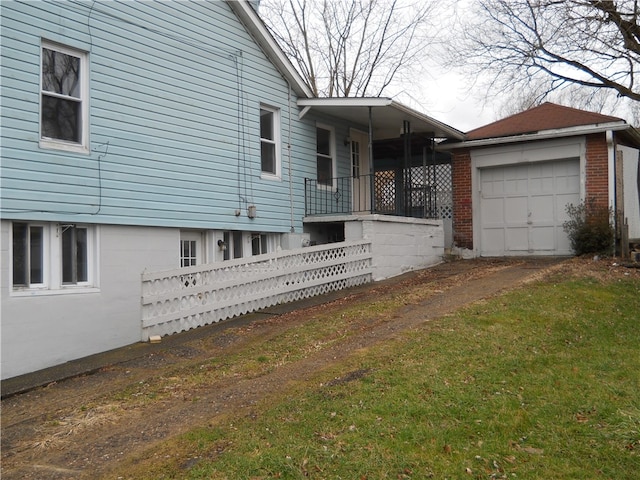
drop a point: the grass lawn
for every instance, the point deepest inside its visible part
(541, 383)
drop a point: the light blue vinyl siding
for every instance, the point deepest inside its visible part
(175, 93)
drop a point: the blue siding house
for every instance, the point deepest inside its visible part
(147, 136)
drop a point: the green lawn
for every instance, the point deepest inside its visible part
(542, 383)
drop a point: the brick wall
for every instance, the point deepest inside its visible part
(597, 182)
(597, 186)
(462, 213)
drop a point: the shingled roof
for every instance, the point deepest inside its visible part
(548, 116)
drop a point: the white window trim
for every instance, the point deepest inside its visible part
(269, 240)
(52, 264)
(276, 141)
(46, 259)
(83, 146)
(200, 238)
(332, 147)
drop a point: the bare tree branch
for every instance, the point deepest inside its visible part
(518, 44)
(352, 47)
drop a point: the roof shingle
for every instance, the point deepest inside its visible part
(548, 116)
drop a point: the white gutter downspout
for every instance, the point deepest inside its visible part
(293, 228)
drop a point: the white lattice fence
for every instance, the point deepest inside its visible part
(181, 299)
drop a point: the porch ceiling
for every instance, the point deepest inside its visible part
(387, 116)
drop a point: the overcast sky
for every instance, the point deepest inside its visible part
(449, 99)
(447, 95)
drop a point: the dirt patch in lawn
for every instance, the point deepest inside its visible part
(84, 427)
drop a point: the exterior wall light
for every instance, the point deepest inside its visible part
(221, 245)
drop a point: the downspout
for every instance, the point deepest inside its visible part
(611, 175)
(293, 228)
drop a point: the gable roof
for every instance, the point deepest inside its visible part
(548, 116)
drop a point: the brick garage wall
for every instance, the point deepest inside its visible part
(462, 212)
(597, 170)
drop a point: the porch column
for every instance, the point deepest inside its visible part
(372, 208)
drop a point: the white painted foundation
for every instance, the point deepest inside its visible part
(399, 244)
(50, 328)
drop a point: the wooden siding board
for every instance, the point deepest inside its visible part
(175, 156)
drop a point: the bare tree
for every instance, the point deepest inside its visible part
(352, 48)
(543, 47)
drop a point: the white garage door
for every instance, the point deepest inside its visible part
(523, 207)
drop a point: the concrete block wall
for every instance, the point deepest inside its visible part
(399, 244)
(51, 327)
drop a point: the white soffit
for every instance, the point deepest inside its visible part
(387, 116)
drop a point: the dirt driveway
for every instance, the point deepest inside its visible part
(67, 430)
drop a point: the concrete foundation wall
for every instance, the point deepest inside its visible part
(41, 329)
(398, 244)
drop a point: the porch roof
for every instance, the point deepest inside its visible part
(387, 116)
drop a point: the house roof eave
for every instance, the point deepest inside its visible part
(387, 115)
(544, 135)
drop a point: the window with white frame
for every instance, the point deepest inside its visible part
(75, 248)
(270, 141)
(191, 248)
(28, 255)
(52, 256)
(259, 243)
(63, 98)
(233, 244)
(325, 156)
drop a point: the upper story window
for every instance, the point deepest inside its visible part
(270, 141)
(325, 155)
(63, 98)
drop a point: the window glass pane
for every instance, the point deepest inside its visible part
(188, 253)
(19, 251)
(36, 257)
(266, 124)
(355, 158)
(193, 253)
(61, 118)
(227, 241)
(324, 170)
(263, 241)
(323, 141)
(268, 154)
(237, 245)
(81, 255)
(255, 244)
(68, 256)
(60, 73)
(74, 255)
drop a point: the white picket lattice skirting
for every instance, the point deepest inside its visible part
(185, 298)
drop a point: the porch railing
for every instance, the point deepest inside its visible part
(181, 299)
(378, 193)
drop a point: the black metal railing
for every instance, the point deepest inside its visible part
(380, 193)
